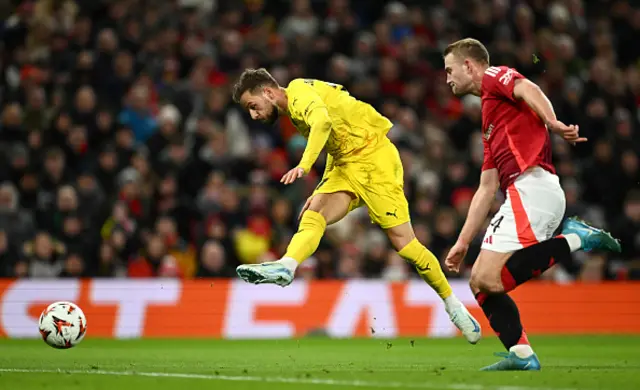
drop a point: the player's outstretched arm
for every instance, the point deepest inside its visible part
(318, 136)
(478, 211)
(536, 99)
(306, 101)
(320, 124)
(312, 108)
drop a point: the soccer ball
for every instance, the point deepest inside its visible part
(62, 325)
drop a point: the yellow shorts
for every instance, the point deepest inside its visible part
(377, 182)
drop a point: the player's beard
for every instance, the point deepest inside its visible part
(273, 115)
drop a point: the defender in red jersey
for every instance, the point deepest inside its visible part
(517, 145)
(515, 138)
(519, 243)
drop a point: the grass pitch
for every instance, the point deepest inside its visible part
(598, 362)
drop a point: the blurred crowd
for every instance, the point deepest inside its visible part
(124, 156)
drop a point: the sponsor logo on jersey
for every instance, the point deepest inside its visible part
(488, 132)
(507, 77)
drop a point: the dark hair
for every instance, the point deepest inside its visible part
(252, 80)
(468, 47)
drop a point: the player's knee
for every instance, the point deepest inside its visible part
(323, 211)
(493, 287)
(333, 207)
(316, 209)
(400, 236)
(478, 284)
(321, 204)
(475, 283)
(483, 281)
(399, 242)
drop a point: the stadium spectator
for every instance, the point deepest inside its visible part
(123, 155)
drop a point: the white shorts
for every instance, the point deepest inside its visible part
(533, 209)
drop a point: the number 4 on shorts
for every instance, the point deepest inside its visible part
(496, 224)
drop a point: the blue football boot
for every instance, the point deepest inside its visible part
(269, 272)
(512, 362)
(591, 237)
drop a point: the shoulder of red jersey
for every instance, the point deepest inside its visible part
(494, 71)
(499, 81)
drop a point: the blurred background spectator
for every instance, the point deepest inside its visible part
(124, 157)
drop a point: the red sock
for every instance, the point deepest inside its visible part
(523, 339)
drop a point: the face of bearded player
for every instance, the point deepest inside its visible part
(459, 74)
(261, 105)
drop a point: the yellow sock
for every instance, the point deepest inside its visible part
(307, 239)
(427, 266)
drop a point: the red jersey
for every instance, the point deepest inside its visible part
(514, 137)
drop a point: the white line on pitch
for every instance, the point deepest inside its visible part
(306, 381)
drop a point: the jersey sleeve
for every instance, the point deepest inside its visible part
(488, 161)
(500, 81)
(310, 106)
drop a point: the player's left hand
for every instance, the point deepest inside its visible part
(569, 133)
(292, 175)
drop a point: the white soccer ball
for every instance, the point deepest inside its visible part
(63, 325)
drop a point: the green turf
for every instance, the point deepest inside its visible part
(568, 363)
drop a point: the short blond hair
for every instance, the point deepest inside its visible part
(468, 48)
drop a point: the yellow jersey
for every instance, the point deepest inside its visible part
(328, 116)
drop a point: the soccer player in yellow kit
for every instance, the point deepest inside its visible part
(363, 168)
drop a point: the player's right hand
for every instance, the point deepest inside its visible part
(569, 133)
(292, 175)
(455, 256)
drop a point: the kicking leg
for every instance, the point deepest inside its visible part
(403, 239)
(325, 209)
